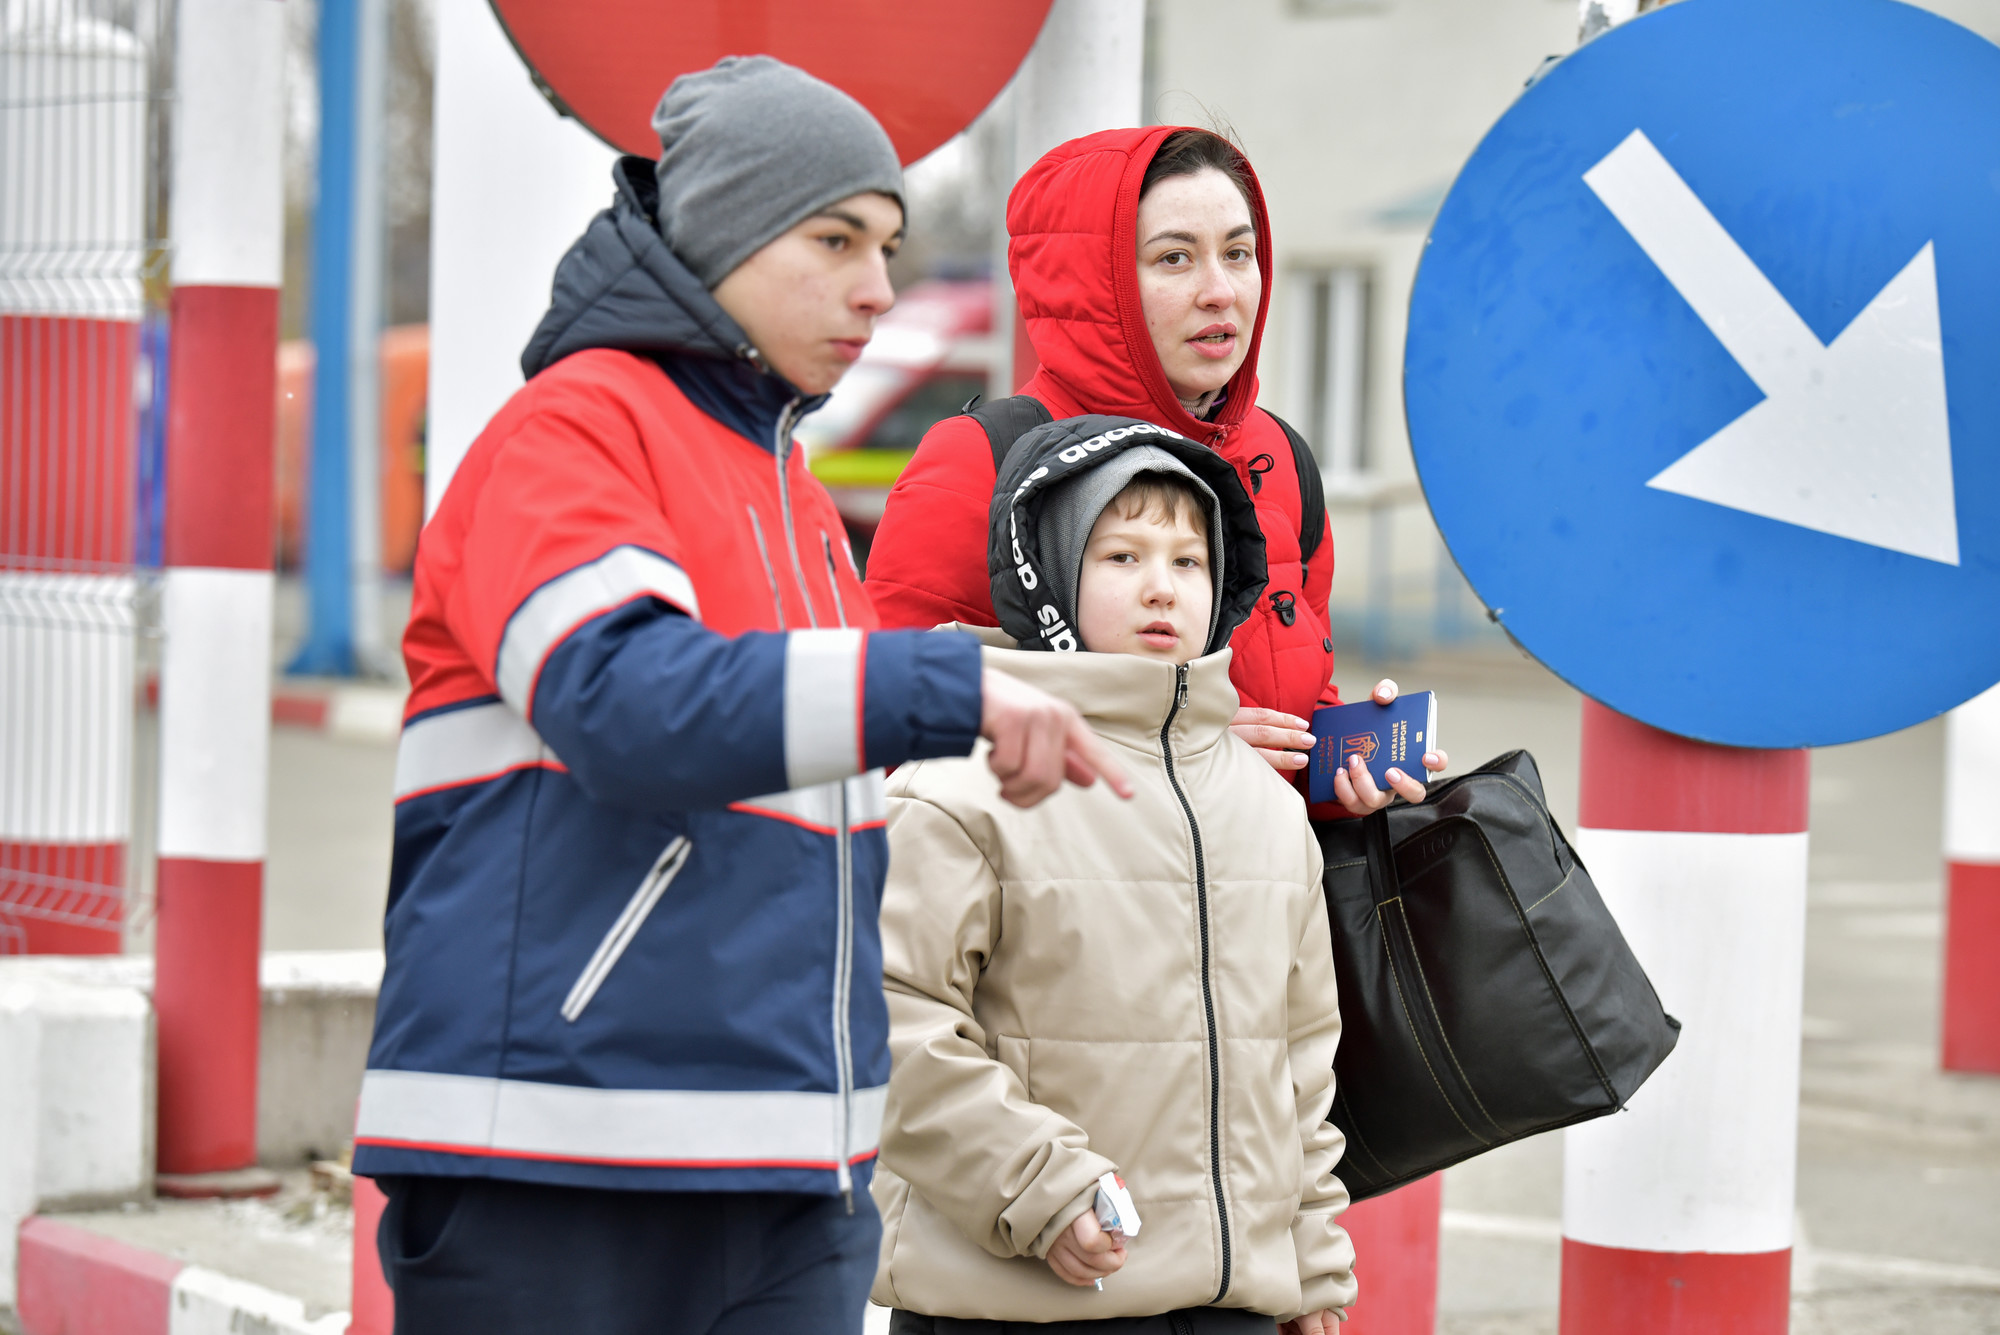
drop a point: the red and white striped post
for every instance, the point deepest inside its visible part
(1972, 885)
(1395, 1235)
(1677, 1214)
(215, 673)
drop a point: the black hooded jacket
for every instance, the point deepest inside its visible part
(1027, 604)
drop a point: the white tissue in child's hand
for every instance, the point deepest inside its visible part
(1115, 1211)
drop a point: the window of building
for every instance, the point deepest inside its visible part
(1327, 324)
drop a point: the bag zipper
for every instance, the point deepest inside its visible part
(1207, 987)
(770, 573)
(782, 451)
(637, 909)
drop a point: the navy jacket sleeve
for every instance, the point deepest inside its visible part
(651, 711)
(569, 583)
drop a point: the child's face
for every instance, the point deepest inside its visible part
(1145, 587)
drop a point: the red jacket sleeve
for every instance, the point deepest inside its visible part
(927, 564)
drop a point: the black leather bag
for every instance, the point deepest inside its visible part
(1486, 994)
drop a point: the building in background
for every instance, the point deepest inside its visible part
(1358, 114)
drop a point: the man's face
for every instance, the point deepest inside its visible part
(1145, 587)
(808, 299)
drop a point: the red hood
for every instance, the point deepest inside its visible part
(1072, 224)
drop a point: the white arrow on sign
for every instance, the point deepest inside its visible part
(1851, 438)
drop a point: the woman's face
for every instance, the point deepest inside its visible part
(1198, 279)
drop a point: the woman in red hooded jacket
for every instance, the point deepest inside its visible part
(1141, 261)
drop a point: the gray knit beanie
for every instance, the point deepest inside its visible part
(751, 147)
(1069, 513)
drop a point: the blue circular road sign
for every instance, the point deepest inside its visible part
(1703, 369)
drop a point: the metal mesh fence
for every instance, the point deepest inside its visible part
(82, 136)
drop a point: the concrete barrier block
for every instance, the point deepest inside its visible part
(76, 1106)
(318, 1018)
(97, 1098)
(20, 1122)
(207, 1303)
(75, 1282)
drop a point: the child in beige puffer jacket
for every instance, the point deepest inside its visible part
(1095, 985)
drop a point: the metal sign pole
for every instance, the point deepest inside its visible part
(328, 647)
(364, 342)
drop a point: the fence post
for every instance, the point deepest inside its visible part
(215, 673)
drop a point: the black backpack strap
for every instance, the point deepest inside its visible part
(1312, 492)
(1006, 421)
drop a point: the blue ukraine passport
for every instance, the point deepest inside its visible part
(1395, 734)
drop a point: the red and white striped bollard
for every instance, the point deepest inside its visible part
(1677, 1213)
(1972, 885)
(215, 674)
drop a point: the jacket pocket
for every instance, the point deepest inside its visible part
(665, 868)
(1013, 1054)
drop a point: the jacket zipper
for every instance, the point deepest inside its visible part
(843, 1037)
(1207, 986)
(770, 571)
(843, 949)
(833, 579)
(782, 451)
(640, 907)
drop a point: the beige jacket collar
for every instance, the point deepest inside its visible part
(1124, 698)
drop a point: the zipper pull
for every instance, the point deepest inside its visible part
(1180, 685)
(788, 421)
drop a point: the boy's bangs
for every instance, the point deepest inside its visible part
(1166, 498)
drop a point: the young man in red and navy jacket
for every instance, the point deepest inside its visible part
(631, 1047)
